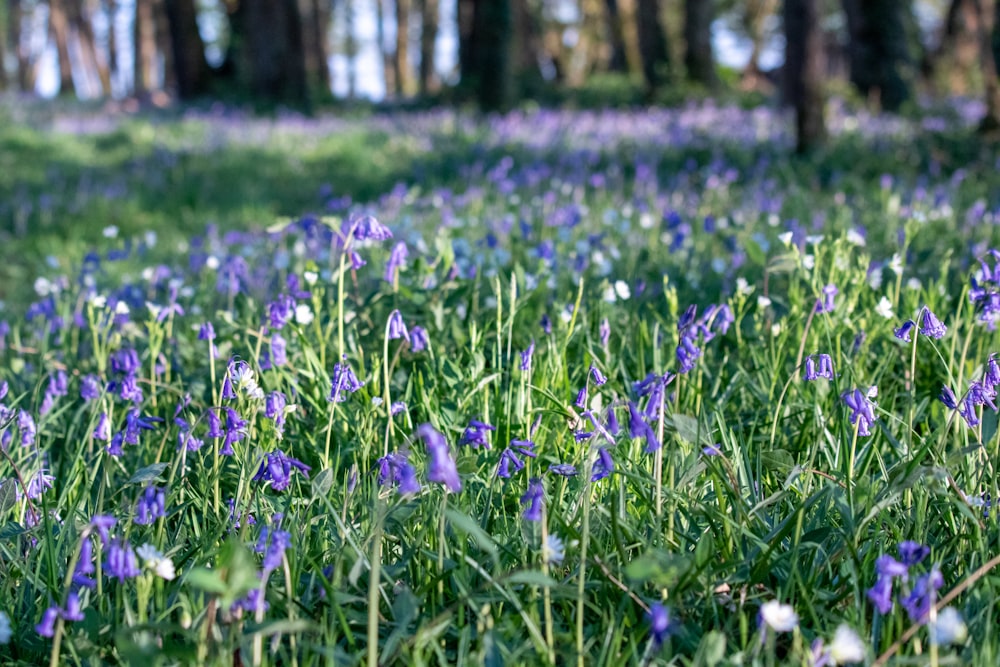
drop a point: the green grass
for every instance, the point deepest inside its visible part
(797, 507)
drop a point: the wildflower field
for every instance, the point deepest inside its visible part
(593, 388)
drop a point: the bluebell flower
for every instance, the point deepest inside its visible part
(546, 323)
(887, 566)
(862, 410)
(114, 447)
(687, 353)
(214, 423)
(277, 468)
(612, 422)
(103, 524)
(880, 594)
(511, 456)
(395, 469)
(824, 369)
(563, 469)
(121, 562)
(90, 387)
(526, 357)
(581, 398)
(931, 326)
(533, 499)
(659, 623)
(357, 261)
(26, 424)
(103, 429)
(235, 432)
(603, 466)
(274, 409)
(911, 552)
(151, 506)
(475, 434)
(826, 303)
(134, 423)
(343, 382)
(368, 228)
(279, 350)
(397, 258)
(918, 603)
(903, 332)
(85, 566)
(419, 340)
(72, 610)
(639, 428)
(947, 396)
(47, 626)
(272, 543)
(396, 408)
(441, 467)
(604, 332)
(596, 374)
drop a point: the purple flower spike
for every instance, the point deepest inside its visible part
(151, 506)
(368, 228)
(419, 340)
(903, 332)
(277, 468)
(475, 434)
(532, 498)
(47, 626)
(881, 595)
(441, 467)
(659, 623)
(397, 258)
(603, 466)
(931, 326)
(911, 552)
(121, 561)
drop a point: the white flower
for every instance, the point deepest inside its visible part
(872, 391)
(875, 278)
(949, 628)
(121, 308)
(786, 238)
(763, 301)
(303, 314)
(884, 308)
(110, 232)
(846, 647)
(622, 290)
(154, 310)
(913, 284)
(43, 286)
(896, 264)
(98, 301)
(808, 262)
(5, 630)
(854, 237)
(155, 561)
(310, 277)
(779, 617)
(212, 262)
(743, 288)
(815, 239)
(553, 550)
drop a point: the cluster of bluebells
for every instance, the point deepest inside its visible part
(862, 409)
(930, 326)
(915, 597)
(715, 320)
(984, 292)
(981, 393)
(819, 366)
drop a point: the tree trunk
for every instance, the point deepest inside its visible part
(161, 26)
(882, 64)
(388, 71)
(617, 58)
(316, 43)
(698, 59)
(191, 72)
(4, 32)
(144, 47)
(755, 17)
(401, 63)
(22, 49)
(652, 44)
(988, 27)
(468, 67)
(428, 40)
(79, 21)
(269, 55)
(804, 71)
(59, 27)
(494, 27)
(110, 7)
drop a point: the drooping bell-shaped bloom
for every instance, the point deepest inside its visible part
(532, 499)
(475, 434)
(441, 467)
(930, 325)
(277, 468)
(152, 505)
(397, 327)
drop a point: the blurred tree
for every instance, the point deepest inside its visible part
(22, 48)
(315, 36)
(388, 73)
(192, 75)
(144, 48)
(804, 71)
(80, 21)
(494, 31)
(617, 57)
(652, 44)
(989, 33)
(165, 57)
(754, 21)
(881, 54)
(527, 46)
(428, 41)
(698, 59)
(404, 75)
(59, 27)
(4, 31)
(110, 9)
(267, 50)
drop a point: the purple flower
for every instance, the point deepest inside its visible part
(274, 408)
(214, 423)
(511, 456)
(581, 398)
(824, 369)
(395, 469)
(72, 611)
(947, 396)
(37, 485)
(918, 603)
(532, 498)
(121, 562)
(277, 467)
(881, 594)
(103, 525)
(26, 423)
(152, 505)
(206, 332)
(605, 332)
(441, 467)
(687, 352)
(134, 423)
(90, 387)
(862, 410)
(596, 374)
(397, 328)
(368, 228)
(115, 446)
(343, 382)
(887, 566)
(279, 353)
(47, 626)
(103, 429)
(563, 469)
(526, 355)
(659, 623)
(419, 339)
(903, 332)
(912, 552)
(357, 261)
(85, 566)
(826, 304)
(475, 434)
(272, 543)
(603, 466)
(931, 326)
(280, 312)
(639, 428)
(396, 260)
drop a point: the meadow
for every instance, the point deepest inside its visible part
(552, 387)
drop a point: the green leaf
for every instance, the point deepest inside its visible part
(283, 626)
(322, 483)
(148, 474)
(658, 567)
(11, 530)
(468, 526)
(206, 580)
(8, 494)
(712, 649)
(990, 421)
(687, 428)
(532, 578)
